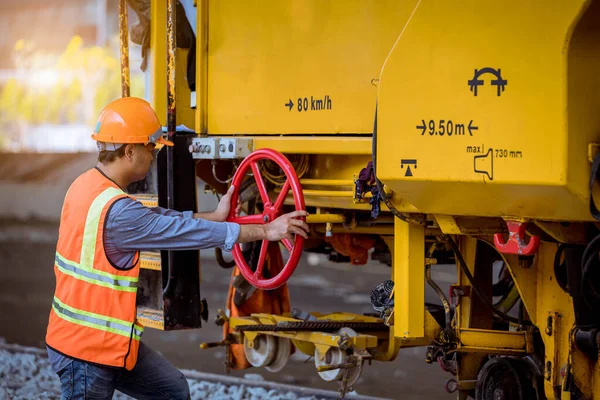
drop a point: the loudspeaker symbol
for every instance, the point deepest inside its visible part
(485, 164)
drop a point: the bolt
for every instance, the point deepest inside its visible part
(266, 218)
(221, 148)
(231, 147)
(328, 229)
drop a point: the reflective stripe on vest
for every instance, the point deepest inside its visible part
(84, 270)
(100, 278)
(96, 321)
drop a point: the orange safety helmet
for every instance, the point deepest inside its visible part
(128, 120)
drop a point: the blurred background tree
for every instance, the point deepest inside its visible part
(69, 88)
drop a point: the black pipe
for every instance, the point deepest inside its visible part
(171, 127)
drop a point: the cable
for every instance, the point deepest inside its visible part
(436, 288)
(301, 165)
(484, 299)
(214, 172)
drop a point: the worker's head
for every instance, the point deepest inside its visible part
(127, 133)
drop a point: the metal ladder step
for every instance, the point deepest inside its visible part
(147, 199)
(151, 318)
(150, 260)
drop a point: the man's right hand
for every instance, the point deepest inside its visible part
(283, 227)
(286, 226)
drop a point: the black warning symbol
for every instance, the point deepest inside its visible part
(408, 162)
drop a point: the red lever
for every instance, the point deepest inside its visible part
(516, 243)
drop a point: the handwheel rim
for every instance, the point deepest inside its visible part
(271, 211)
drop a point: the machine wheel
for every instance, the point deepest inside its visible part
(504, 379)
(282, 355)
(271, 210)
(261, 351)
(334, 356)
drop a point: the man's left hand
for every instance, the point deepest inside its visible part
(222, 211)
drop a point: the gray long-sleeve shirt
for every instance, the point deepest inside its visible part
(132, 227)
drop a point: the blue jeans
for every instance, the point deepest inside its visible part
(153, 377)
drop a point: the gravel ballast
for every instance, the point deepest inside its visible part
(25, 374)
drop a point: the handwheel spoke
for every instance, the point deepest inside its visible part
(262, 189)
(288, 244)
(281, 198)
(262, 258)
(249, 219)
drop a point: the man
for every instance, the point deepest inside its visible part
(93, 337)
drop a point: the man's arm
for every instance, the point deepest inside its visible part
(132, 227)
(209, 216)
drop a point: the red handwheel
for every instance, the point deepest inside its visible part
(270, 213)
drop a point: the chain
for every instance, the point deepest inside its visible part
(330, 326)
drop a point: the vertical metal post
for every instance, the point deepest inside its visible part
(171, 114)
(202, 67)
(409, 289)
(171, 128)
(124, 47)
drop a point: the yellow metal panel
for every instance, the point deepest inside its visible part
(201, 66)
(264, 55)
(498, 81)
(408, 265)
(157, 69)
(315, 145)
(448, 224)
(494, 342)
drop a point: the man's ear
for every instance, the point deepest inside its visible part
(129, 151)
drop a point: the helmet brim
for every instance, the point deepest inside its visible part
(164, 141)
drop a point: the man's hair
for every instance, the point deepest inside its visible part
(107, 156)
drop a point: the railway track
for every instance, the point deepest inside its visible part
(25, 374)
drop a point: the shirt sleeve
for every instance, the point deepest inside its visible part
(172, 213)
(131, 226)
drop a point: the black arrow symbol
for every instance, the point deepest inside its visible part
(289, 105)
(472, 128)
(422, 126)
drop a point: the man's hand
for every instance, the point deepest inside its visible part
(222, 211)
(285, 226)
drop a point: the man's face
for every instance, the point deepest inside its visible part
(141, 160)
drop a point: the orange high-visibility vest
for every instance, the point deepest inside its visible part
(93, 315)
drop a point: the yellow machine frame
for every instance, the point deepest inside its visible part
(243, 84)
